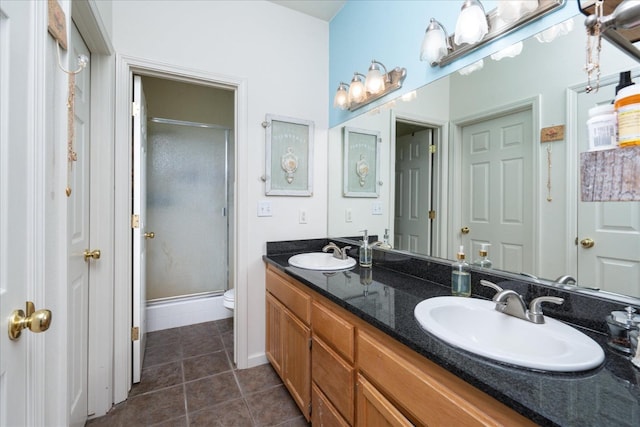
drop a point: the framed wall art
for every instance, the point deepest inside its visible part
(289, 156)
(361, 162)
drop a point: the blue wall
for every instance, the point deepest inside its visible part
(392, 31)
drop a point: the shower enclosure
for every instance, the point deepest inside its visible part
(188, 199)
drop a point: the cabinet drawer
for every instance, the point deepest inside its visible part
(334, 330)
(334, 377)
(298, 302)
(421, 392)
(322, 411)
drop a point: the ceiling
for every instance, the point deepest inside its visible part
(321, 9)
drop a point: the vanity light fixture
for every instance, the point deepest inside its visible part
(472, 24)
(376, 85)
(470, 27)
(435, 44)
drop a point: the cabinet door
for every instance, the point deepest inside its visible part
(274, 339)
(374, 410)
(323, 412)
(297, 361)
(334, 377)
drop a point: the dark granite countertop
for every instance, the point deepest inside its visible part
(607, 395)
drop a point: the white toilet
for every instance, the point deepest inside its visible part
(229, 299)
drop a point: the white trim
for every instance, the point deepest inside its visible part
(126, 66)
(533, 104)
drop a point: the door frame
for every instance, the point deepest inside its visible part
(440, 176)
(455, 152)
(126, 66)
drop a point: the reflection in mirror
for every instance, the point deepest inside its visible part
(489, 179)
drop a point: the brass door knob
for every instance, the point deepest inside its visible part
(587, 243)
(149, 235)
(95, 254)
(465, 230)
(36, 321)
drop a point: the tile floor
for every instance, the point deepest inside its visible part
(189, 379)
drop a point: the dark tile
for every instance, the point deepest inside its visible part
(155, 407)
(201, 344)
(157, 377)
(162, 354)
(227, 340)
(296, 422)
(272, 406)
(175, 422)
(163, 337)
(225, 325)
(211, 391)
(199, 330)
(232, 413)
(205, 365)
(257, 379)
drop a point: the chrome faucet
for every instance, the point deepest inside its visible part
(510, 302)
(566, 279)
(337, 252)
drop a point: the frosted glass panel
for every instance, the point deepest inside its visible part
(186, 202)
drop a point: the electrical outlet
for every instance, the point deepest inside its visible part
(264, 208)
(302, 216)
(347, 215)
(376, 208)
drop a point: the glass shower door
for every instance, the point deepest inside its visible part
(186, 209)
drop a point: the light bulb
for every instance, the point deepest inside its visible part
(435, 44)
(356, 90)
(472, 23)
(341, 100)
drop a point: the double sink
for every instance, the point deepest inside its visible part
(477, 326)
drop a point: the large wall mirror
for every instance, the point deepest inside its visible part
(462, 163)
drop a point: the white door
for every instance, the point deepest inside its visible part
(16, 206)
(78, 240)
(613, 262)
(412, 227)
(497, 191)
(138, 224)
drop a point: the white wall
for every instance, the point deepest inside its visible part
(283, 55)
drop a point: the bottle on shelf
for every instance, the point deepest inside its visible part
(365, 251)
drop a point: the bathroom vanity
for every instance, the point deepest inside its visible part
(347, 346)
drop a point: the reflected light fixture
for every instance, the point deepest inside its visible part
(435, 44)
(376, 85)
(508, 52)
(478, 65)
(555, 31)
(474, 28)
(472, 24)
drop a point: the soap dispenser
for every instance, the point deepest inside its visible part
(483, 261)
(460, 276)
(365, 251)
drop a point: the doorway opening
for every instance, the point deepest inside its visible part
(189, 202)
(415, 199)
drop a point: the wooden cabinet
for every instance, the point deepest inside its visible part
(356, 375)
(288, 338)
(375, 410)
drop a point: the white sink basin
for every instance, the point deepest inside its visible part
(474, 325)
(321, 261)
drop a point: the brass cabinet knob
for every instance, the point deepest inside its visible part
(95, 254)
(465, 230)
(587, 243)
(35, 321)
(149, 235)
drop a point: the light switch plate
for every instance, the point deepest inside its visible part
(376, 208)
(264, 208)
